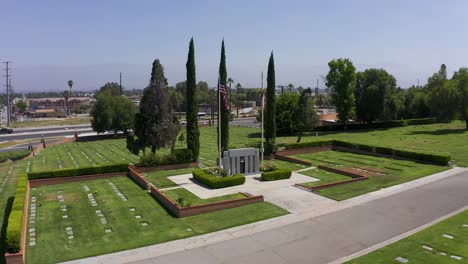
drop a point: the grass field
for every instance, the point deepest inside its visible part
(52, 122)
(396, 172)
(449, 138)
(324, 177)
(89, 233)
(192, 199)
(160, 180)
(411, 248)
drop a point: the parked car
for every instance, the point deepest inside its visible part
(6, 130)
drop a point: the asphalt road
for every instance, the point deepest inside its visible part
(63, 131)
(336, 235)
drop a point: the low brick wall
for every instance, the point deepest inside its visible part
(17, 258)
(332, 184)
(294, 160)
(353, 173)
(179, 211)
(60, 180)
(166, 167)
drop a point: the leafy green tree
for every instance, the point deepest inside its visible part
(224, 109)
(21, 105)
(112, 87)
(112, 113)
(443, 95)
(341, 78)
(270, 110)
(372, 88)
(287, 107)
(461, 82)
(157, 124)
(415, 103)
(306, 116)
(193, 133)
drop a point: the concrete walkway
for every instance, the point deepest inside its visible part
(282, 193)
(317, 236)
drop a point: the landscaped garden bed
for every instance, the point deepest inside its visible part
(386, 172)
(270, 172)
(214, 179)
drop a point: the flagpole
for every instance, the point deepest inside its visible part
(219, 127)
(263, 111)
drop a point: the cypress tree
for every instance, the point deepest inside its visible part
(270, 111)
(224, 110)
(193, 133)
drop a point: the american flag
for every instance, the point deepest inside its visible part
(223, 91)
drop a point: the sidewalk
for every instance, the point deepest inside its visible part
(319, 235)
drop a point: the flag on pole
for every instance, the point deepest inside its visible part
(223, 92)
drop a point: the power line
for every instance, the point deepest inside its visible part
(8, 89)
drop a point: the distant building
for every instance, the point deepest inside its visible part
(327, 116)
(54, 106)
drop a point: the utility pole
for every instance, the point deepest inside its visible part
(263, 112)
(7, 85)
(120, 83)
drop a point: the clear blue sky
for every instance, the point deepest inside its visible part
(90, 42)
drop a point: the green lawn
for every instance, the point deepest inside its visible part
(52, 122)
(195, 200)
(324, 177)
(411, 247)
(90, 237)
(160, 180)
(396, 172)
(449, 138)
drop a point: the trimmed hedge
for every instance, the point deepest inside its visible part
(123, 167)
(308, 144)
(276, 175)
(15, 220)
(384, 124)
(177, 156)
(217, 182)
(14, 155)
(421, 156)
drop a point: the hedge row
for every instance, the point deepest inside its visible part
(308, 144)
(276, 175)
(384, 124)
(217, 182)
(15, 221)
(177, 156)
(123, 167)
(426, 157)
(14, 155)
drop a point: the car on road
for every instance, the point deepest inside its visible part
(6, 130)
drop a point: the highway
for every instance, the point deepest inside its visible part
(36, 133)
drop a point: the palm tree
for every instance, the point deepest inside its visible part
(70, 84)
(238, 86)
(290, 86)
(66, 95)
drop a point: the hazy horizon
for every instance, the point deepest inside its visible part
(50, 42)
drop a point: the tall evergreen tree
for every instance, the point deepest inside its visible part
(193, 133)
(158, 121)
(270, 111)
(224, 110)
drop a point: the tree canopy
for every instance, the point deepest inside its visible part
(341, 78)
(112, 113)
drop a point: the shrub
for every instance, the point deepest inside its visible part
(175, 157)
(365, 147)
(428, 157)
(14, 155)
(276, 175)
(343, 144)
(15, 220)
(384, 150)
(267, 166)
(216, 182)
(78, 171)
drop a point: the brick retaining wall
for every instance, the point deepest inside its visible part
(294, 160)
(60, 180)
(167, 167)
(179, 211)
(305, 150)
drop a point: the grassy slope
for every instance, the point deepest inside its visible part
(411, 247)
(397, 171)
(53, 245)
(324, 177)
(52, 122)
(160, 180)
